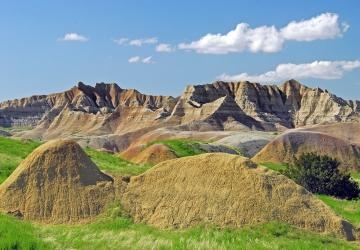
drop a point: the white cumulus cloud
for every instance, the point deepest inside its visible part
(164, 47)
(268, 39)
(324, 26)
(317, 69)
(138, 59)
(74, 37)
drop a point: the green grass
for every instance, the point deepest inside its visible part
(181, 147)
(114, 230)
(15, 234)
(274, 166)
(348, 209)
(356, 177)
(119, 232)
(113, 164)
(12, 152)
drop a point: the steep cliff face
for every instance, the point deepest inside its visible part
(85, 110)
(24, 112)
(108, 109)
(260, 106)
(264, 107)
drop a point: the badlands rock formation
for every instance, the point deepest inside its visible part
(227, 191)
(57, 183)
(232, 105)
(294, 143)
(107, 116)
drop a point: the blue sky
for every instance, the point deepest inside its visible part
(48, 46)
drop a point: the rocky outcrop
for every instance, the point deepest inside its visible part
(103, 99)
(262, 107)
(108, 110)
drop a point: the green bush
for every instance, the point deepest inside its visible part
(321, 175)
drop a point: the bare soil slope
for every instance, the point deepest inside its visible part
(249, 143)
(57, 183)
(227, 191)
(154, 154)
(285, 147)
(348, 131)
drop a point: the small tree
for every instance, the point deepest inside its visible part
(321, 175)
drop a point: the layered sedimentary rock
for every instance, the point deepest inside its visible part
(233, 105)
(93, 114)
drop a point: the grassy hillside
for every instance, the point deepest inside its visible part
(16, 234)
(187, 147)
(13, 151)
(181, 147)
(274, 166)
(113, 164)
(121, 233)
(348, 209)
(115, 231)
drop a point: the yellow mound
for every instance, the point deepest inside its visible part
(56, 183)
(286, 146)
(227, 191)
(131, 152)
(154, 154)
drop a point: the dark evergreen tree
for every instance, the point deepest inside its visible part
(321, 175)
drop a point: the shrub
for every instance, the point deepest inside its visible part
(321, 175)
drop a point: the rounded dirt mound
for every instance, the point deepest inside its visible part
(131, 152)
(56, 183)
(347, 131)
(154, 154)
(288, 145)
(227, 191)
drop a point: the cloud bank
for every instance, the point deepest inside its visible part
(329, 70)
(268, 39)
